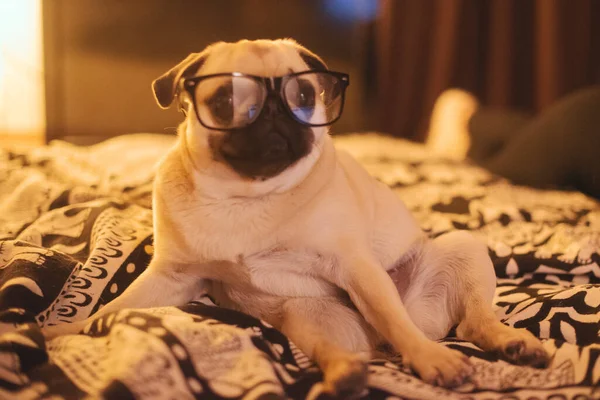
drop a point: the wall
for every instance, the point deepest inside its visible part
(102, 56)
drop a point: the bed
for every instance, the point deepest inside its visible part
(76, 230)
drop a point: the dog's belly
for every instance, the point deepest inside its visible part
(289, 273)
(275, 276)
(247, 300)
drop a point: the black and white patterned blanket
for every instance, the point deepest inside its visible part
(76, 230)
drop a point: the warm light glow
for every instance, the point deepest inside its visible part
(22, 107)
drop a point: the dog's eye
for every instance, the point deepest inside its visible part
(306, 94)
(221, 104)
(301, 96)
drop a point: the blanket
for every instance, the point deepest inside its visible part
(76, 230)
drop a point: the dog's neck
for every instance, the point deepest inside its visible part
(308, 175)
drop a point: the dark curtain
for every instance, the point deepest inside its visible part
(522, 54)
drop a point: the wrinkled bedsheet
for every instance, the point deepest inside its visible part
(76, 230)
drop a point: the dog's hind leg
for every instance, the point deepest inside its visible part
(336, 337)
(453, 282)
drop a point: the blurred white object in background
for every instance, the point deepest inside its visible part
(448, 134)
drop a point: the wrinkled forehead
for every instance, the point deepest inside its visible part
(262, 58)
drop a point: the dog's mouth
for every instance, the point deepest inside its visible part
(262, 152)
(276, 148)
(250, 168)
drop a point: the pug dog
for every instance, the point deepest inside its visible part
(255, 206)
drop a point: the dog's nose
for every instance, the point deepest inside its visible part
(275, 147)
(273, 107)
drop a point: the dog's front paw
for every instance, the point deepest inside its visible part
(345, 377)
(520, 347)
(439, 365)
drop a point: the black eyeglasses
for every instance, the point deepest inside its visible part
(234, 100)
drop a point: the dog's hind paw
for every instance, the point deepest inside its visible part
(346, 378)
(517, 346)
(523, 348)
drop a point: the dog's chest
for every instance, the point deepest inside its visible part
(258, 240)
(227, 231)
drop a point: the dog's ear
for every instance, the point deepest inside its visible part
(165, 86)
(312, 60)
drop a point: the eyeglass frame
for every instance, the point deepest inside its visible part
(273, 85)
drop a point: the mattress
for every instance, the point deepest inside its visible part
(76, 230)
